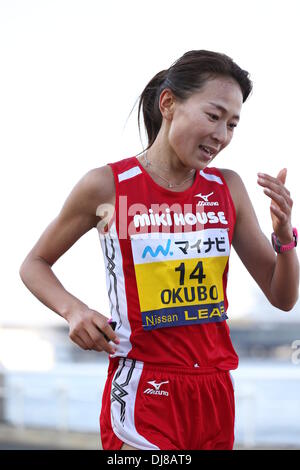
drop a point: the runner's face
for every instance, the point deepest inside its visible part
(196, 121)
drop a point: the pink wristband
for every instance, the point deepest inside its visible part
(279, 248)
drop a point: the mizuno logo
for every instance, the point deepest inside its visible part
(156, 390)
(204, 197)
(157, 386)
(205, 201)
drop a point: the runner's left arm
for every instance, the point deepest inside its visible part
(276, 275)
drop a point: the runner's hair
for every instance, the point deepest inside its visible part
(185, 76)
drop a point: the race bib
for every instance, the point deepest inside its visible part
(180, 277)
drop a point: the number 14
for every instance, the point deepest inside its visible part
(197, 273)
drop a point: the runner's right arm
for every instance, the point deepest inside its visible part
(77, 217)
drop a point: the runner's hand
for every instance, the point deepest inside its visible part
(281, 204)
(88, 329)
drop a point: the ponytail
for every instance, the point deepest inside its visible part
(149, 101)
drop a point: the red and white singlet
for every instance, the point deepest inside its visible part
(166, 255)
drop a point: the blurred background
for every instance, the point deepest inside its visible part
(71, 72)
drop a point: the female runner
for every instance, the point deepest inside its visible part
(166, 220)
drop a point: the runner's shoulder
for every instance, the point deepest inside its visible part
(100, 184)
(232, 178)
(235, 184)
